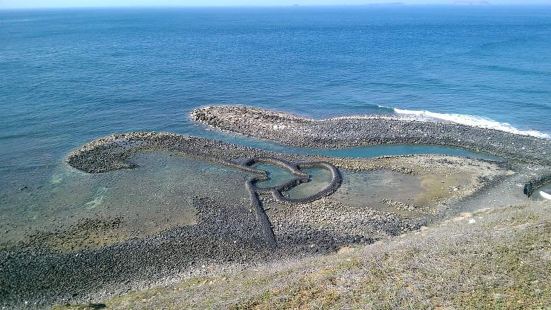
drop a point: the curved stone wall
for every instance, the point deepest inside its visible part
(113, 153)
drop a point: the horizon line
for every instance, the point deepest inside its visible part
(390, 4)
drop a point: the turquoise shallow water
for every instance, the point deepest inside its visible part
(158, 195)
(277, 175)
(69, 76)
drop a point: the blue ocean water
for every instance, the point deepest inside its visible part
(68, 76)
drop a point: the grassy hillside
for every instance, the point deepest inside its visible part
(495, 258)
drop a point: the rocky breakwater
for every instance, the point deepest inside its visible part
(225, 232)
(372, 130)
(526, 152)
(113, 153)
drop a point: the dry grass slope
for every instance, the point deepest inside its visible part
(494, 258)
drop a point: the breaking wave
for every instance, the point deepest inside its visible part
(469, 120)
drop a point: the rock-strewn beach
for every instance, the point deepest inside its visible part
(230, 234)
(362, 201)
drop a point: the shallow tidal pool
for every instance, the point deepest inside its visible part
(155, 196)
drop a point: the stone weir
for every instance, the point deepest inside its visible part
(278, 190)
(113, 153)
(352, 131)
(226, 232)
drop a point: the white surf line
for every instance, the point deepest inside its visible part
(470, 120)
(418, 115)
(462, 119)
(545, 195)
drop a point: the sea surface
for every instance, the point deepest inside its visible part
(69, 76)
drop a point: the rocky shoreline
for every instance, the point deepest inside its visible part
(294, 130)
(226, 234)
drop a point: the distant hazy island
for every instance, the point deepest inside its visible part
(384, 156)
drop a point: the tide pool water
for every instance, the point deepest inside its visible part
(69, 76)
(276, 175)
(154, 197)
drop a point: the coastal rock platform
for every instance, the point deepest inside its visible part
(352, 131)
(353, 204)
(342, 132)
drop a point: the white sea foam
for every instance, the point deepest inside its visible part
(469, 120)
